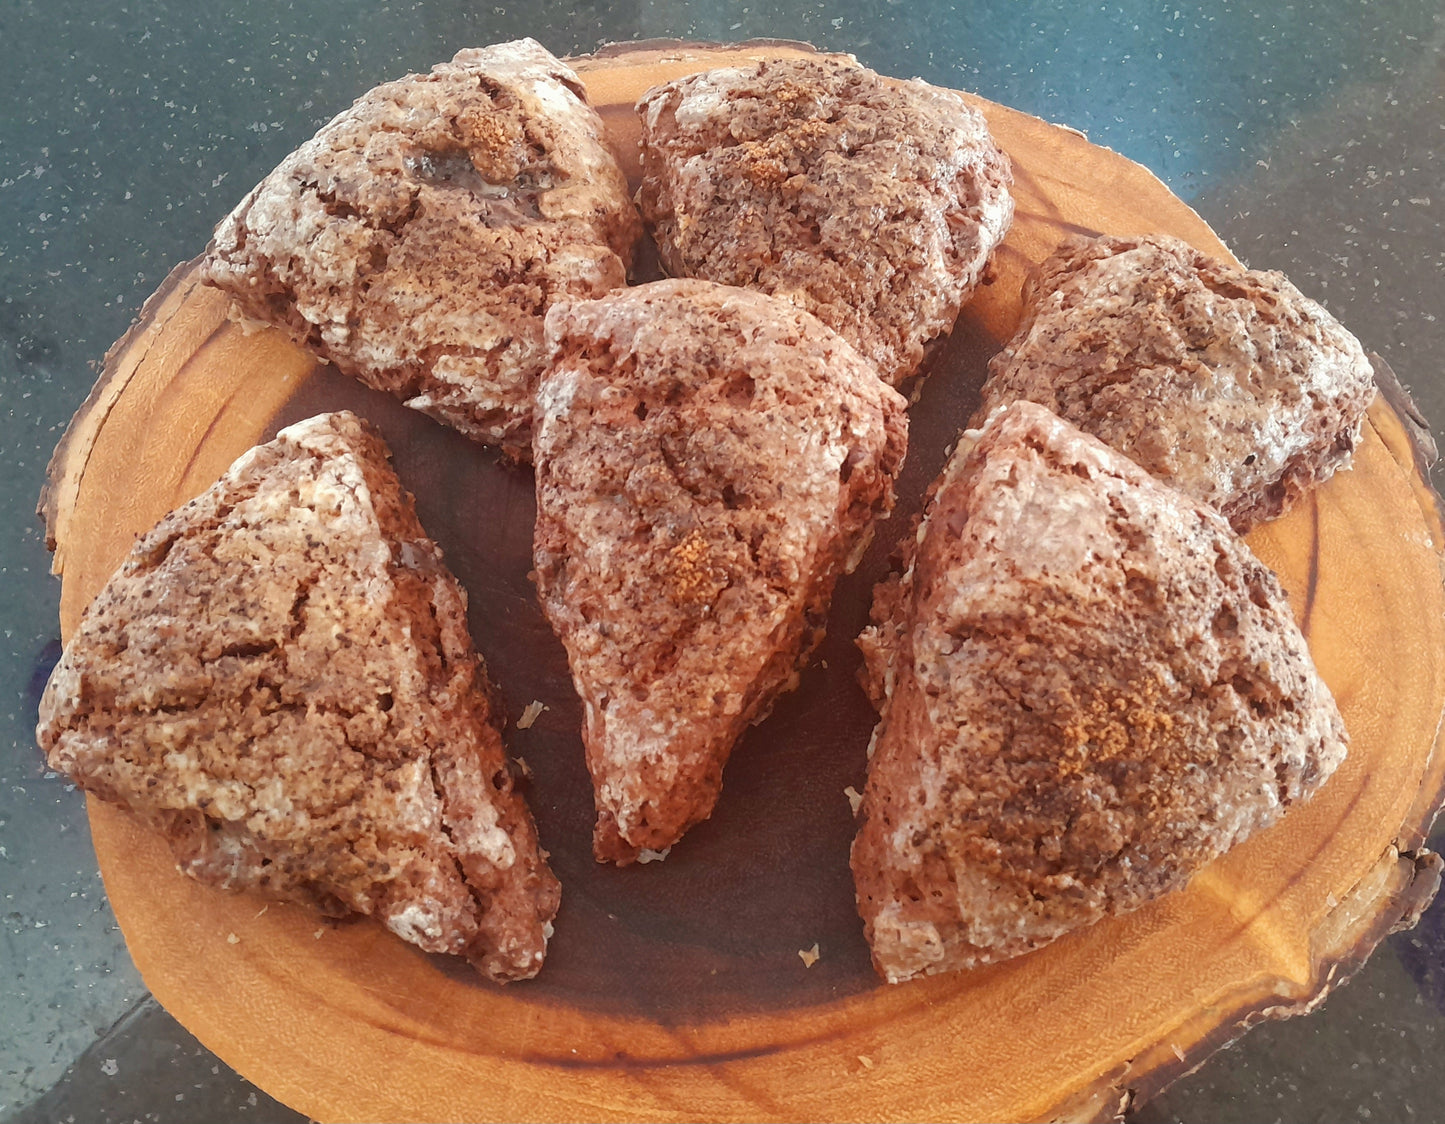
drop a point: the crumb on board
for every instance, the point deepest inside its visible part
(231, 938)
(809, 955)
(532, 712)
(526, 770)
(855, 798)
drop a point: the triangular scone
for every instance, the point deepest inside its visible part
(1226, 383)
(873, 204)
(418, 239)
(709, 461)
(280, 678)
(1089, 688)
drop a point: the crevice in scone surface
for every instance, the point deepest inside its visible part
(418, 239)
(280, 678)
(1227, 383)
(1089, 688)
(870, 203)
(709, 461)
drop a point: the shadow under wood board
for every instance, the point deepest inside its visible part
(676, 989)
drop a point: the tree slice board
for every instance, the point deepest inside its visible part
(676, 989)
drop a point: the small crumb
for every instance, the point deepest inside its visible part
(526, 770)
(532, 712)
(1178, 1053)
(249, 325)
(865, 1061)
(264, 908)
(855, 798)
(231, 938)
(318, 934)
(109, 1067)
(824, 664)
(809, 955)
(647, 856)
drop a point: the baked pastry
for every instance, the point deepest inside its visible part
(1089, 688)
(871, 203)
(280, 679)
(418, 240)
(1227, 383)
(709, 461)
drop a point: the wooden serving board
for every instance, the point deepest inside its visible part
(677, 989)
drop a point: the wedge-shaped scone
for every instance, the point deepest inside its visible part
(709, 461)
(280, 679)
(1089, 688)
(1227, 383)
(872, 203)
(418, 240)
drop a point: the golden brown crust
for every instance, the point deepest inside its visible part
(280, 678)
(872, 204)
(1090, 688)
(709, 460)
(418, 239)
(1227, 383)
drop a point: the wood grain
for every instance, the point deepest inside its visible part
(675, 990)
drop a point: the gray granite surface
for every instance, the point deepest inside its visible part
(1309, 135)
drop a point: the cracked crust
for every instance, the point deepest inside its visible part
(1227, 383)
(280, 679)
(418, 240)
(872, 204)
(1088, 689)
(709, 460)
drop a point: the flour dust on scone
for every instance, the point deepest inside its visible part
(709, 461)
(871, 203)
(1227, 383)
(418, 240)
(280, 679)
(1088, 687)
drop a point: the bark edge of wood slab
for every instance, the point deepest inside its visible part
(343, 1021)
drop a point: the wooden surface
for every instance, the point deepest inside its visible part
(676, 989)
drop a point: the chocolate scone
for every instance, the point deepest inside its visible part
(1089, 688)
(709, 461)
(1227, 383)
(418, 240)
(871, 203)
(280, 679)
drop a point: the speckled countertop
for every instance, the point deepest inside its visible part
(1310, 136)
